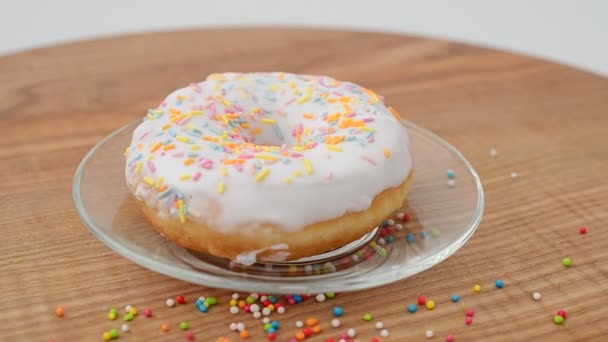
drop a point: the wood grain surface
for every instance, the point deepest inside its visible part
(548, 122)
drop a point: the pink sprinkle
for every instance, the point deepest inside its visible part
(324, 116)
(368, 159)
(237, 107)
(190, 335)
(468, 320)
(183, 121)
(350, 115)
(239, 167)
(371, 139)
(289, 102)
(300, 128)
(314, 144)
(449, 338)
(227, 150)
(178, 155)
(151, 166)
(336, 93)
(211, 110)
(197, 176)
(380, 97)
(470, 312)
(163, 104)
(206, 163)
(148, 312)
(297, 155)
(247, 156)
(368, 119)
(143, 136)
(229, 110)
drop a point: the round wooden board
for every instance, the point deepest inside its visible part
(548, 122)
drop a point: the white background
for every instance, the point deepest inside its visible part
(574, 32)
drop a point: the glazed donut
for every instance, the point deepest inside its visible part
(268, 166)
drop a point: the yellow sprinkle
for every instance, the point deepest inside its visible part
(306, 131)
(159, 182)
(150, 117)
(196, 112)
(224, 171)
(274, 87)
(268, 121)
(223, 100)
(149, 181)
(178, 117)
(298, 148)
(221, 188)
(195, 147)
(138, 167)
(265, 157)
(297, 173)
(127, 150)
(185, 177)
(387, 153)
(306, 96)
(307, 166)
(260, 176)
(150, 157)
(182, 138)
(367, 129)
(287, 180)
(334, 148)
(394, 112)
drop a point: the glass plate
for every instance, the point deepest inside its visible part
(440, 218)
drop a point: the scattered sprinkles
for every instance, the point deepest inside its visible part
(567, 262)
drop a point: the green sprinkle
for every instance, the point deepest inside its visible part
(127, 317)
(250, 300)
(213, 300)
(114, 311)
(114, 333)
(367, 317)
(330, 295)
(567, 262)
(435, 232)
(558, 319)
(183, 326)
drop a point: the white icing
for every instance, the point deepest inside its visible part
(340, 182)
(250, 257)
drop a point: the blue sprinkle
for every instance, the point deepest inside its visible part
(159, 134)
(167, 142)
(273, 300)
(171, 132)
(199, 302)
(411, 238)
(192, 155)
(285, 161)
(297, 298)
(271, 330)
(412, 308)
(338, 312)
(202, 308)
(455, 298)
(277, 131)
(350, 138)
(451, 174)
(423, 234)
(500, 284)
(389, 239)
(274, 324)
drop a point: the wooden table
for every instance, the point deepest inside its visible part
(548, 122)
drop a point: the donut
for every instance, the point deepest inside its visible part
(268, 166)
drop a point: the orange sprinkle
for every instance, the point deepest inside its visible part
(140, 146)
(164, 327)
(245, 125)
(395, 113)
(387, 153)
(335, 140)
(242, 304)
(209, 138)
(316, 329)
(244, 334)
(300, 336)
(166, 126)
(189, 161)
(174, 111)
(59, 312)
(164, 188)
(308, 115)
(156, 147)
(235, 161)
(311, 322)
(169, 147)
(255, 131)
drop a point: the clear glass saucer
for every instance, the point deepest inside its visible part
(441, 217)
